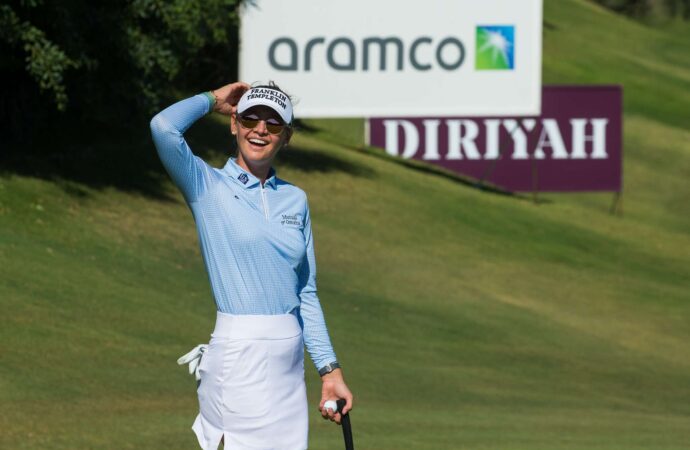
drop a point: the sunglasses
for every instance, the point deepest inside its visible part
(252, 121)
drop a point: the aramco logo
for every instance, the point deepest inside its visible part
(495, 47)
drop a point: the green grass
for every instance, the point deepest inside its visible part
(464, 319)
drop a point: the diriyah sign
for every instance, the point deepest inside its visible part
(463, 134)
(574, 145)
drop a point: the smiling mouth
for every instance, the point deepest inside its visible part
(258, 142)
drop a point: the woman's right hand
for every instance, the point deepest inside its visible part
(228, 96)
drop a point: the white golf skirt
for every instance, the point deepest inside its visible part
(252, 390)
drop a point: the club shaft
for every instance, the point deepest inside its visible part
(347, 427)
(347, 432)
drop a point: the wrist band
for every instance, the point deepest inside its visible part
(211, 98)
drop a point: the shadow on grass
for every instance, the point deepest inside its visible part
(77, 156)
(310, 161)
(431, 169)
(341, 131)
(481, 185)
(99, 156)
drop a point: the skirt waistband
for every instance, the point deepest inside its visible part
(280, 326)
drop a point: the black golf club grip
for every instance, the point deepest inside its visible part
(347, 428)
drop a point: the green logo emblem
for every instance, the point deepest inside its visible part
(495, 47)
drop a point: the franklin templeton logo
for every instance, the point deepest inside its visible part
(291, 219)
(495, 47)
(270, 94)
(243, 178)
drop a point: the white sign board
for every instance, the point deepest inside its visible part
(363, 58)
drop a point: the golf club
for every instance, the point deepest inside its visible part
(347, 427)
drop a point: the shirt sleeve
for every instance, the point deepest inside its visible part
(314, 325)
(189, 172)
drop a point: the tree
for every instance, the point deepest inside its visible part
(108, 60)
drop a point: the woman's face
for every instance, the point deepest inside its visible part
(258, 144)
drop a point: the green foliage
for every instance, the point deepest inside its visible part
(111, 60)
(45, 61)
(164, 37)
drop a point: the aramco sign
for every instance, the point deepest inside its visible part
(574, 145)
(341, 54)
(363, 58)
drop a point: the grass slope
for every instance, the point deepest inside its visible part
(464, 319)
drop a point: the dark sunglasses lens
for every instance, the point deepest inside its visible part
(274, 128)
(249, 123)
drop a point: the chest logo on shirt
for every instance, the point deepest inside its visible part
(291, 219)
(243, 178)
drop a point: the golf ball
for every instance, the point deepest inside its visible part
(330, 404)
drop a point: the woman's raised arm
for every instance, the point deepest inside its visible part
(189, 172)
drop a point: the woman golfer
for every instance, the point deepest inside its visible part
(256, 240)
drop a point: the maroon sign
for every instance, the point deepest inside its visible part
(575, 145)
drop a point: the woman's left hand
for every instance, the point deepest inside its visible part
(334, 388)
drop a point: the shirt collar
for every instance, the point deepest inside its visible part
(245, 178)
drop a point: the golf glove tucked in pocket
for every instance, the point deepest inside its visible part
(193, 358)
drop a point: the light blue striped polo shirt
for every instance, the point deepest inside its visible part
(256, 241)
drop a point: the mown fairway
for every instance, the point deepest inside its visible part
(463, 319)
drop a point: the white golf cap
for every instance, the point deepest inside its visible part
(266, 96)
